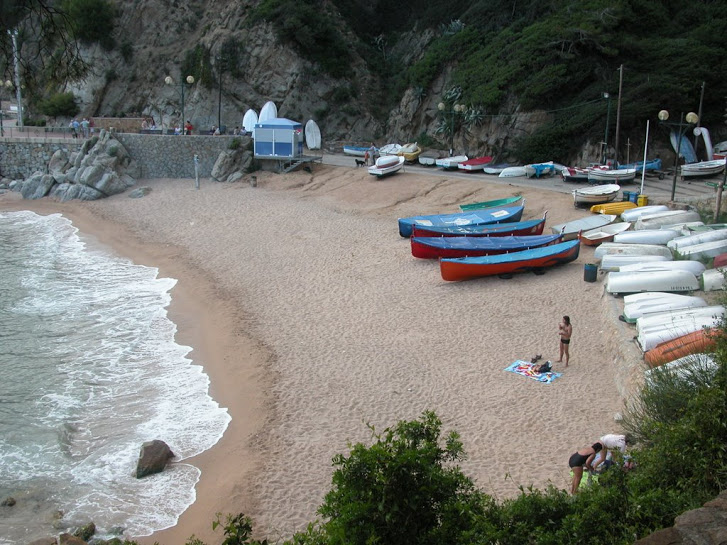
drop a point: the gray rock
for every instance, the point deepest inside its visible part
(58, 162)
(44, 541)
(70, 539)
(111, 184)
(92, 175)
(235, 176)
(67, 192)
(140, 192)
(8, 502)
(153, 458)
(37, 187)
(86, 531)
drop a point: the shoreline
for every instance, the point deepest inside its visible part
(301, 372)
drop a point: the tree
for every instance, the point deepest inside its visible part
(60, 105)
(402, 489)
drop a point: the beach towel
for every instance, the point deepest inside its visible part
(527, 369)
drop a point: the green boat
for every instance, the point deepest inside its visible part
(489, 204)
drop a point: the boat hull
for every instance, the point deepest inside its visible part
(615, 262)
(654, 302)
(636, 282)
(597, 236)
(596, 194)
(518, 228)
(571, 229)
(671, 217)
(616, 248)
(635, 213)
(599, 176)
(489, 204)
(646, 236)
(696, 342)
(436, 247)
(505, 264)
(386, 166)
(487, 216)
(612, 207)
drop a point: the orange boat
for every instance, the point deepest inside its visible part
(536, 260)
(703, 340)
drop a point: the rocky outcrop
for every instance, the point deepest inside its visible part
(231, 164)
(101, 168)
(153, 458)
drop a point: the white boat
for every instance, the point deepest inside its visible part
(474, 164)
(600, 175)
(652, 302)
(632, 214)
(646, 236)
(312, 135)
(670, 217)
(683, 229)
(703, 169)
(595, 194)
(618, 248)
(269, 111)
(496, 169)
(249, 120)
(682, 366)
(698, 238)
(664, 326)
(712, 279)
(428, 158)
(694, 267)
(390, 149)
(451, 162)
(388, 164)
(657, 281)
(539, 170)
(571, 229)
(615, 262)
(512, 172)
(605, 233)
(660, 281)
(705, 250)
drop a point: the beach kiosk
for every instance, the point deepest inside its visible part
(281, 140)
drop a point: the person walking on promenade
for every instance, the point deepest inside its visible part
(565, 330)
(582, 458)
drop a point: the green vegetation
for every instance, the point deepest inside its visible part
(92, 21)
(197, 64)
(307, 25)
(60, 105)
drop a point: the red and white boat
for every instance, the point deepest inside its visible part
(476, 163)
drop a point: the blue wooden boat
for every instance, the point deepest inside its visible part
(356, 151)
(436, 247)
(489, 204)
(506, 264)
(652, 164)
(515, 228)
(486, 216)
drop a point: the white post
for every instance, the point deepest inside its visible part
(643, 167)
(196, 171)
(16, 63)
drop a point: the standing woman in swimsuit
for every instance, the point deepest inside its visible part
(584, 457)
(565, 330)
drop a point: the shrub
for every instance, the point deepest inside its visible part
(60, 105)
(92, 20)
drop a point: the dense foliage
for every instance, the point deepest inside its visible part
(60, 105)
(92, 20)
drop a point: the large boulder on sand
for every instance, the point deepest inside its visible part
(153, 458)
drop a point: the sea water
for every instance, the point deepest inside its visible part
(89, 371)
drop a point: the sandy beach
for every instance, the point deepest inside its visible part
(312, 319)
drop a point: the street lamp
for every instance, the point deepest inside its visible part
(189, 81)
(608, 121)
(691, 119)
(454, 109)
(8, 85)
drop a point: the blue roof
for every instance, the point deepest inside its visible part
(279, 123)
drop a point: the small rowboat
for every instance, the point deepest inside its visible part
(618, 248)
(390, 149)
(496, 169)
(436, 247)
(670, 217)
(451, 162)
(651, 164)
(699, 238)
(643, 304)
(517, 228)
(694, 267)
(571, 229)
(356, 151)
(712, 279)
(637, 282)
(605, 233)
(658, 328)
(386, 165)
(477, 163)
(538, 170)
(595, 194)
(703, 169)
(506, 264)
(410, 152)
(616, 262)
(646, 236)
(600, 175)
(696, 342)
(489, 204)
(634, 214)
(617, 208)
(512, 172)
(504, 214)
(429, 158)
(574, 174)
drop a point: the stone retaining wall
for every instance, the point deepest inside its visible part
(158, 156)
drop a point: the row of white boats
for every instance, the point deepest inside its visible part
(656, 258)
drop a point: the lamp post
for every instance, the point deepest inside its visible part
(16, 64)
(189, 80)
(691, 119)
(454, 109)
(608, 121)
(8, 85)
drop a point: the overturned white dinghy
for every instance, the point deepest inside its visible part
(643, 304)
(618, 248)
(694, 267)
(713, 279)
(698, 238)
(665, 326)
(632, 214)
(705, 250)
(670, 217)
(646, 236)
(637, 282)
(615, 262)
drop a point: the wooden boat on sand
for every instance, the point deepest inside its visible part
(386, 165)
(356, 151)
(646, 236)
(503, 214)
(678, 243)
(617, 248)
(515, 228)
(489, 204)
(574, 174)
(571, 229)
(658, 328)
(618, 283)
(436, 247)
(475, 164)
(696, 342)
(508, 264)
(410, 152)
(645, 303)
(634, 214)
(429, 158)
(451, 162)
(599, 175)
(616, 262)
(703, 169)
(595, 194)
(605, 233)
(694, 267)
(512, 172)
(612, 207)
(669, 217)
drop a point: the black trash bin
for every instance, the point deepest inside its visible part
(590, 272)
